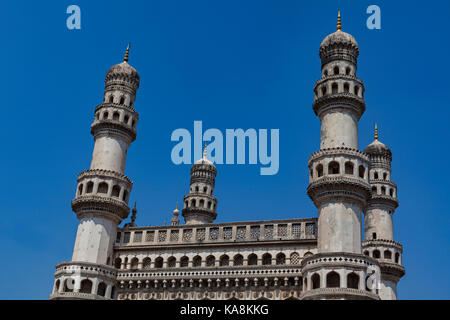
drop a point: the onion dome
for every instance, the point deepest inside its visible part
(338, 40)
(123, 73)
(175, 221)
(377, 147)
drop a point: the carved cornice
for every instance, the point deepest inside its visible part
(87, 204)
(118, 106)
(113, 127)
(343, 100)
(105, 174)
(382, 243)
(338, 293)
(339, 77)
(339, 151)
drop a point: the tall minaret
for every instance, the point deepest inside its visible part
(101, 199)
(378, 226)
(338, 176)
(200, 204)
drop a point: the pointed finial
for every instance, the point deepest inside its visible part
(376, 132)
(339, 26)
(125, 59)
(176, 206)
(133, 215)
(204, 151)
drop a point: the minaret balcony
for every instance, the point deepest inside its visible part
(384, 251)
(111, 126)
(344, 100)
(100, 205)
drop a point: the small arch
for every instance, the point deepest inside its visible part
(356, 90)
(224, 261)
(336, 70)
(387, 254)
(319, 170)
(171, 262)
(267, 259)
(111, 99)
(125, 195)
(352, 280)
(126, 118)
(196, 188)
(90, 187)
(346, 87)
(325, 72)
(210, 261)
(102, 187)
(197, 261)
(56, 289)
(68, 285)
(349, 167)
(362, 171)
(333, 280)
(295, 258)
(384, 176)
(375, 175)
(376, 254)
(117, 263)
(315, 281)
(116, 116)
(347, 71)
(209, 204)
(252, 260)
(159, 262)
(184, 262)
(374, 235)
(105, 115)
(334, 88)
(366, 253)
(122, 100)
(193, 203)
(333, 167)
(202, 203)
(205, 189)
(383, 190)
(115, 191)
(80, 189)
(146, 263)
(281, 259)
(397, 257)
(86, 286)
(374, 190)
(391, 192)
(324, 90)
(238, 260)
(134, 263)
(101, 289)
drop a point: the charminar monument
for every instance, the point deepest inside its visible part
(314, 258)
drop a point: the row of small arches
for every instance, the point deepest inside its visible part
(376, 175)
(387, 255)
(210, 261)
(333, 280)
(197, 189)
(336, 71)
(323, 89)
(102, 188)
(383, 191)
(334, 168)
(122, 99)
(201, 204)
(105, 115)
(86, 286)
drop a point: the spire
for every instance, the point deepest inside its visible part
(175, 221)
(339, 26)
(376, 132)
(133, 214)
(125, 59)
(204, 151)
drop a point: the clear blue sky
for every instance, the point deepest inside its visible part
(231, 64)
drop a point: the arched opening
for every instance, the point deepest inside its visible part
(209, 204)
(171, 262)
(333, 280)
(196, 189)
(356, 90)
(111, 99)
(125, 195)
(387, 254)
(115, 191)
(105, 115)
(86, 286)
(349, 167)
(295, 258)
(134, 263)
(126, 118)
(146, 263)
(347, 71)
(376, 254)
(197, 261)
(113, 292)
(117, 263)
(333, 167)
(366, 253)
(397, 257)
(68, 285)
(336, 70)
(267, 259)
(375, 175)
(374, 190)
(193, 203)
(374, 235)
(346, 87)
(159, 262)
(80, 190)
(315, 281)
(210, 261)
(334, 88)
(184, 262)
(324, 90)
(384, 176)
(133, 123)
(238, 260)
(116, 116)
(325, 72)
(56, 289)
(101, 289)
(202, 203)
(319, 170)
(362, 171)
(281, 259)
(391, 192)
(383, 190)
(102, 187)
(205, 189)
(352, 281)
(122, 100)
(252, 260)
(90, 187)
(224, 261)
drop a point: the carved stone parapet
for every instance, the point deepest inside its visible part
(343, 100)
(338, 77)
(114, 127)
(353, 261)
(102, 173)
(337, 294)
(340, 151)
(87, 204)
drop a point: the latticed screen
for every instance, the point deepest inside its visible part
(268, 231)
(282, 230)
(214, 233)
(311, 229)
(297, 230)
(227, 233)
(255, 232)
(174, 235)
(118, 236)
(150, 236)
(201, 234)
(162, 235)
(137, 236)
(187, 235)
(126, 237)
(295, 258)
(240, 233)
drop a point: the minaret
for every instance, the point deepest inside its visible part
(378, 227)
(338, 176)
(102, 194)
(200, 204)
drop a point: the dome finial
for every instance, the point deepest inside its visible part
(376, 132)
(339, 26)
(204, 151)
(125, 59)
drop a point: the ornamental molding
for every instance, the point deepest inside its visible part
(117, 106)
(339, 151)
(338, 293)
(87, 204)
(114, 127)
(339, 77)
(106, 174)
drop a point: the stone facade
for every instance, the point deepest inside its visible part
(316, 258)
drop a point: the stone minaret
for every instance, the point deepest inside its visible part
(101, 200)
(378, 227)
(338, 176)
(200, 204)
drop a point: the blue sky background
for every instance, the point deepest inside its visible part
(231, 64)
